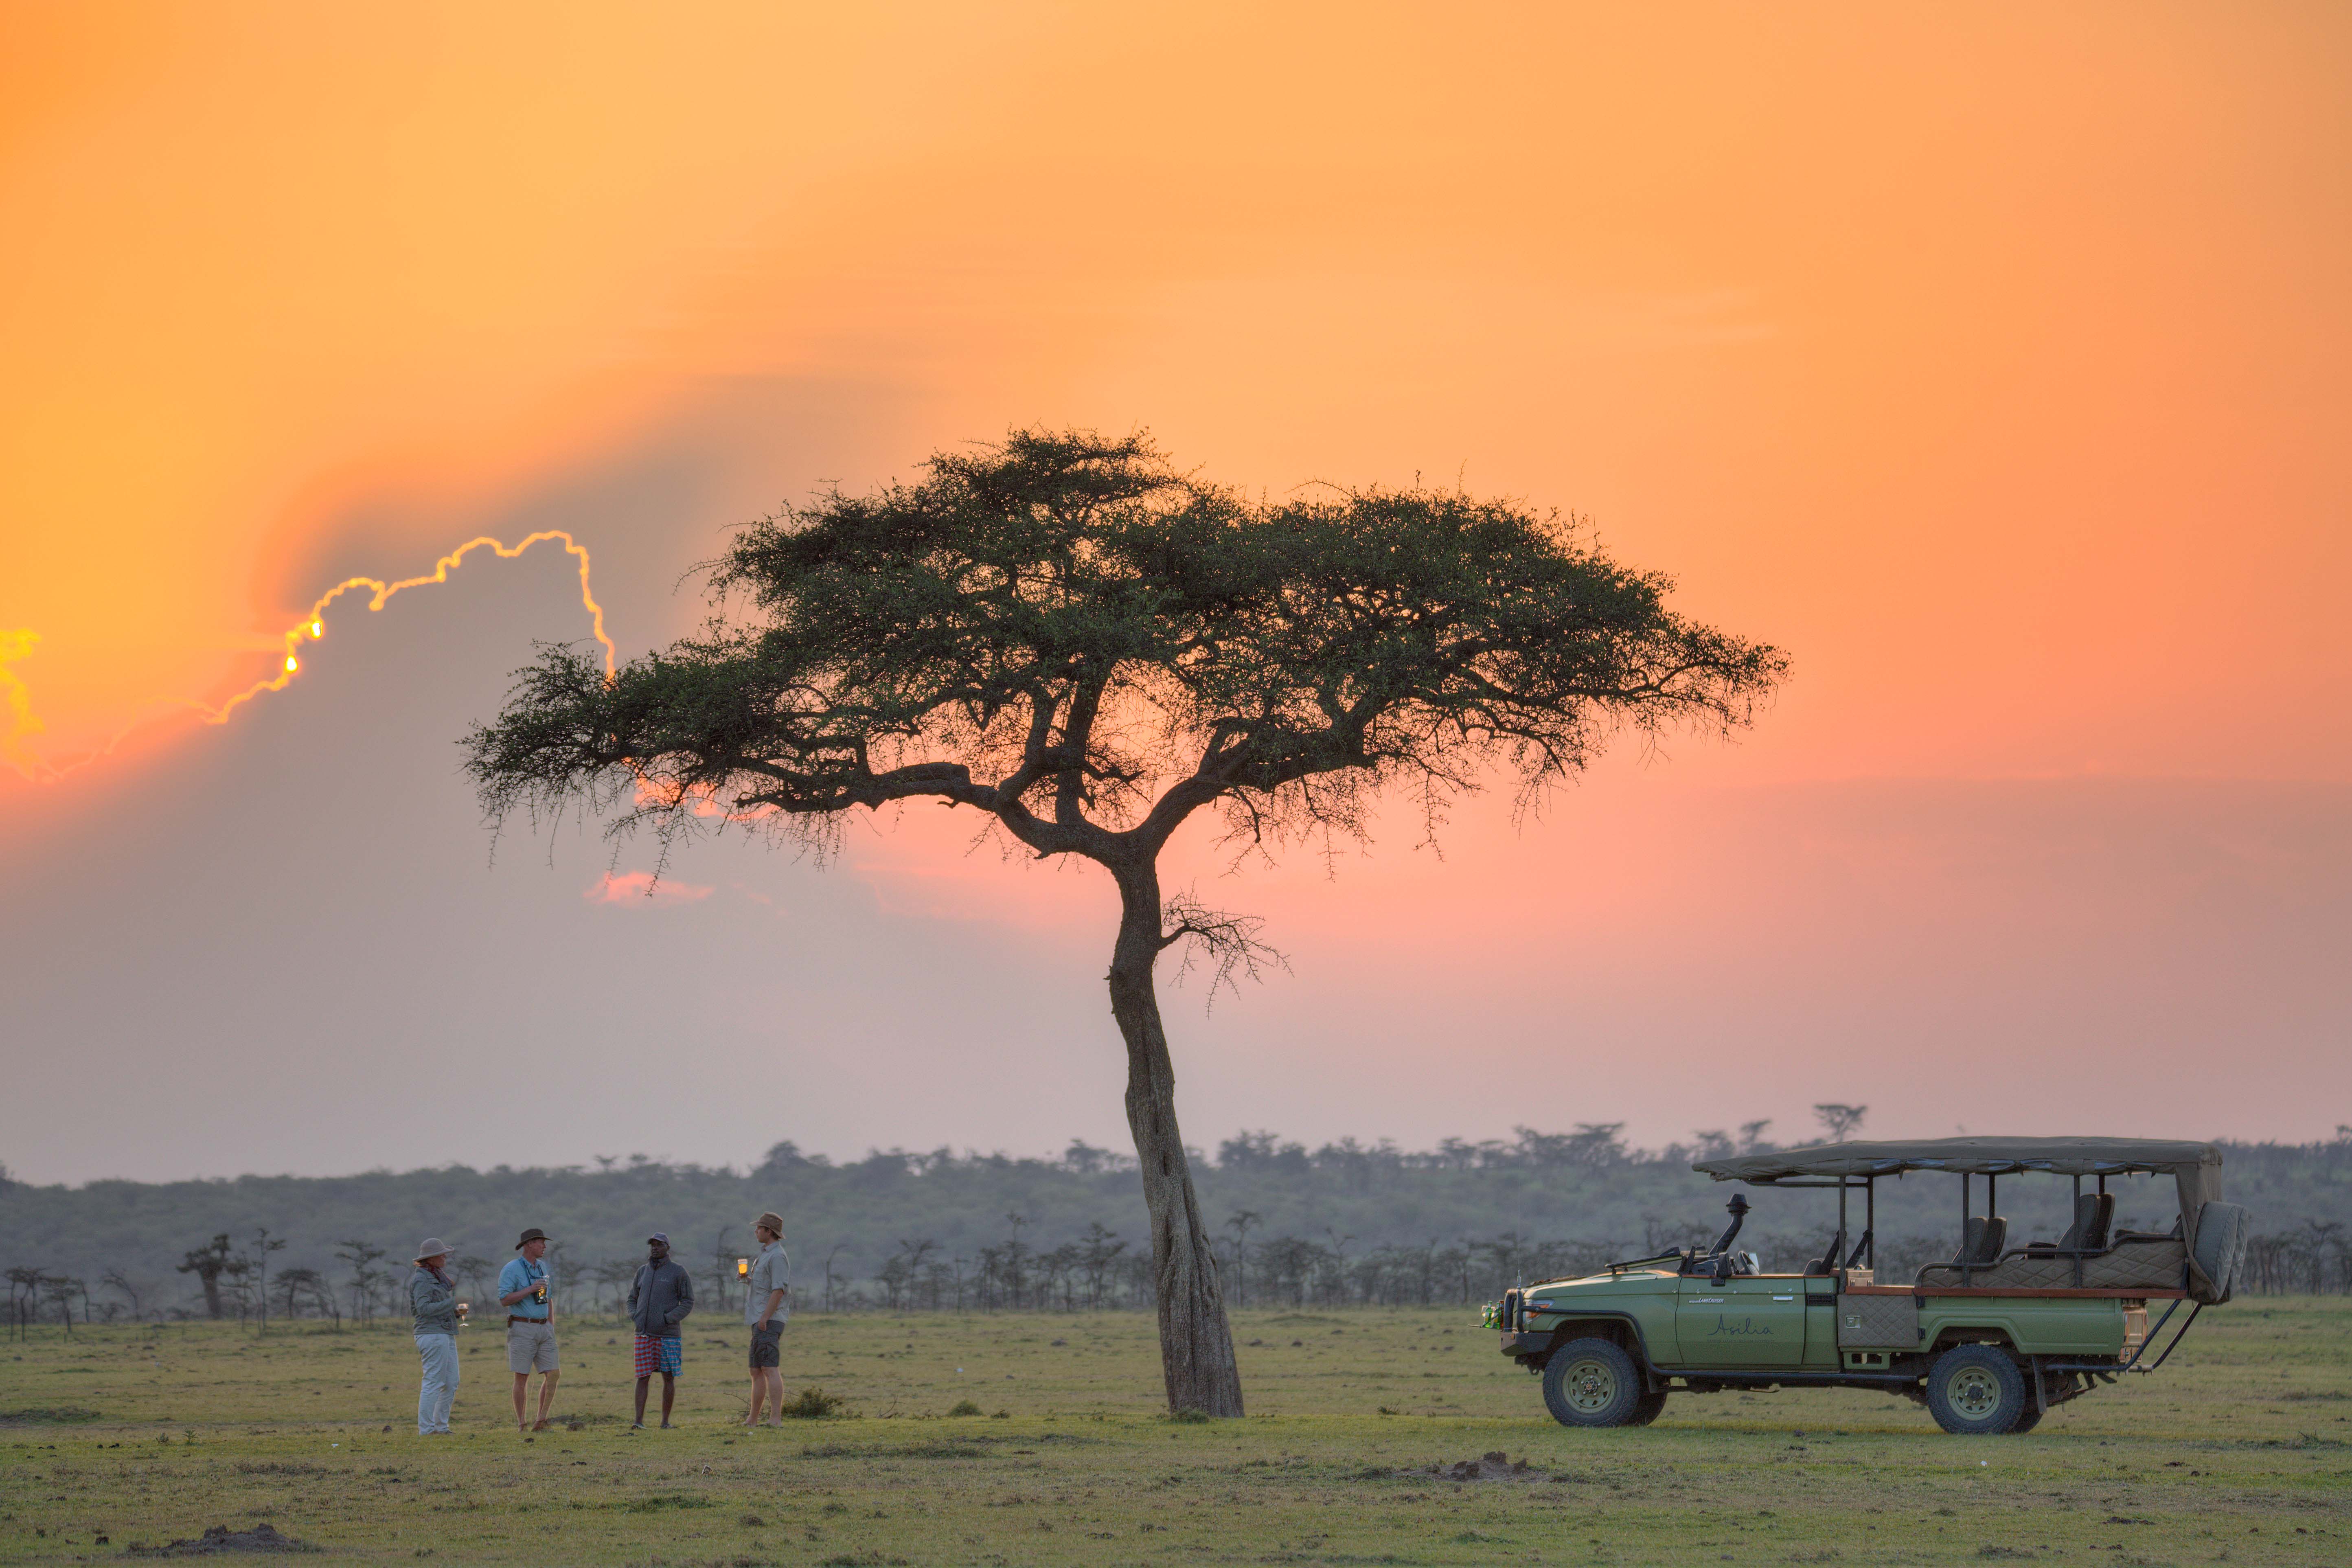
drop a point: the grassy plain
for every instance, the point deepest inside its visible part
(2239, 1451)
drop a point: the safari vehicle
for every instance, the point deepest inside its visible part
(1987, 1341)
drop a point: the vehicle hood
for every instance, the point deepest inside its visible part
(1631, 1282)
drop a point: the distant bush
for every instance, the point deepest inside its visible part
(812, 1404)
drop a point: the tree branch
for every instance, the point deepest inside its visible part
(1226, 944)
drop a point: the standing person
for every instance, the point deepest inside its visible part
(659, 1299)
(433, 1295)
(766, 1307)
(530, 1327)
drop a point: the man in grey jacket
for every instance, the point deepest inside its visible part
(659, 1299)
(433, 1297)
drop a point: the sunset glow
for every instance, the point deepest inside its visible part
(25, 724)
(1990, 361)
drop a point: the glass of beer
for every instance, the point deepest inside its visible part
(742, 1268)
(463, 1308)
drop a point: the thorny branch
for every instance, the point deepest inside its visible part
(1226, 944)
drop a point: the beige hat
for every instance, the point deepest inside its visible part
(771, 1220)
(433, 1247)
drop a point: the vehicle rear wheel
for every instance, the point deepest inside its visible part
(2027, 1420)
(1646, 1408)
(1976, 1390)
(1591, 1382)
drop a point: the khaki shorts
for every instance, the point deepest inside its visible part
(531, 1347)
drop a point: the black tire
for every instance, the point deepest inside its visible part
(1977, 1391)
(1646, 1408)
(2027, 1420)
(1591, 1382)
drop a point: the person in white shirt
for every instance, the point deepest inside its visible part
(765, 1310)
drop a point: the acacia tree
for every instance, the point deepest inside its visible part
(208, 1263)
(1087, 646)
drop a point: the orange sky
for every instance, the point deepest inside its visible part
(1990, 362)
(1989, 359)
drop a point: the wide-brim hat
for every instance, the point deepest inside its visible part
(771, 1220)
(432, 1247)
(533, 1234)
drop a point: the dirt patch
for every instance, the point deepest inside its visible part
(220, 1541)
(1494, 1465)
(42, 1416)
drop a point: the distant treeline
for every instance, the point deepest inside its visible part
(937, 1231)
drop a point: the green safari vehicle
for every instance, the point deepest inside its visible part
(1987, 1341)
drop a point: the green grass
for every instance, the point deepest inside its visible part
(2239, 1451)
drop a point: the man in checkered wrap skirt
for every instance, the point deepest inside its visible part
(659, 1299)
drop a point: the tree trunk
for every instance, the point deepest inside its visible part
(1196, 1346)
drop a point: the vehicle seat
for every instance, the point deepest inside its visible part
(1986, 1237)
(2094, 1213)
(1980, 1245)
(2091, 1226)
(1827, 1262)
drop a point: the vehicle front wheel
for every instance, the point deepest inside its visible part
(1591, 1382)
(1976, 1390)
(1646, 1409)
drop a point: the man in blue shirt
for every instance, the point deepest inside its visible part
(530, 1326)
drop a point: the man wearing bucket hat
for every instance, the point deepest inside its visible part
(766, 1305)
(659, 1299)
(530, 1327)
(432, 1296)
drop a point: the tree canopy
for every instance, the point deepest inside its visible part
(1066, 632)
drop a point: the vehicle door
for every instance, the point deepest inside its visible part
(1756, 1320)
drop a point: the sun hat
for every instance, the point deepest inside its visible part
(432, 1247)
(533, 1234)
(770, 1220)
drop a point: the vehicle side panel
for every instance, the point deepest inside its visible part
(1753, 1320)
(1821, 1331)
(2034, 1326)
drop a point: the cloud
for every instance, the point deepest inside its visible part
(639, 888)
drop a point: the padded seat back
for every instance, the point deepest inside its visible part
(2094, 1213)
(1983, 1239)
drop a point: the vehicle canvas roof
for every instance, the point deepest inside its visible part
(1972, 1156)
